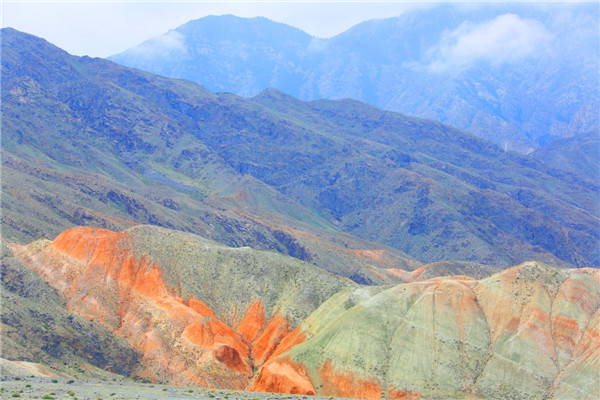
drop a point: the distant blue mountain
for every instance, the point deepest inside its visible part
(520, 75)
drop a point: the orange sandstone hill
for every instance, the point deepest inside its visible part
(199, 313)
(204, 314)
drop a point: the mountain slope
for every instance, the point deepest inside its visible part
(176, 298)
(578, 155)
(58, 172)
(273, 54)
(516, 74)
(202, 314)
(273, 171)
(526, 332)
(38, 327)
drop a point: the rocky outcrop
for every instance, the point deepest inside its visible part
(253, 322)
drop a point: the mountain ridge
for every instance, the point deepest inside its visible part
(520, 104)
(365, 350)
(238, 254)
(452, 195)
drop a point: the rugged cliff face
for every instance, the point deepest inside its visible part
(203, 314)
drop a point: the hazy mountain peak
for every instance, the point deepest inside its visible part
(273, 95)
(516, 74)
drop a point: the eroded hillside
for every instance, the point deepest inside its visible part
(205, 314)
(531, 331)
(199, 313)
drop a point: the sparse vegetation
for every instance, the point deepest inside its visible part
(454, 196)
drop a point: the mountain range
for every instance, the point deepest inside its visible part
(158, 231)
(110, 146)
(517, 74)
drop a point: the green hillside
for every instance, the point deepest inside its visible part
(503, 337)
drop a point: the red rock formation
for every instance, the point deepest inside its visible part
(253, 322)
(181, 342)
(104, 282)
(345, 384)
(266, 343)
(292, 339)
(283, 376)
(200, 307)
(399, 394)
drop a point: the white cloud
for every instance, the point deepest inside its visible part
(503, 39)
(317, 45)
(163, 45)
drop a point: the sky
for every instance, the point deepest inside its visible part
(104, 28)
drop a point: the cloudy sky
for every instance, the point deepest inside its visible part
(103, 28)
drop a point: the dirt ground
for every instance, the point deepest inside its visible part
(12, 387)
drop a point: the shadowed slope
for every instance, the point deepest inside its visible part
(37, 327)
(272, 171)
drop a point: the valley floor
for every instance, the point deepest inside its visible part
(60, 388)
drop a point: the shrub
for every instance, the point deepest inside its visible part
(47, 396)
